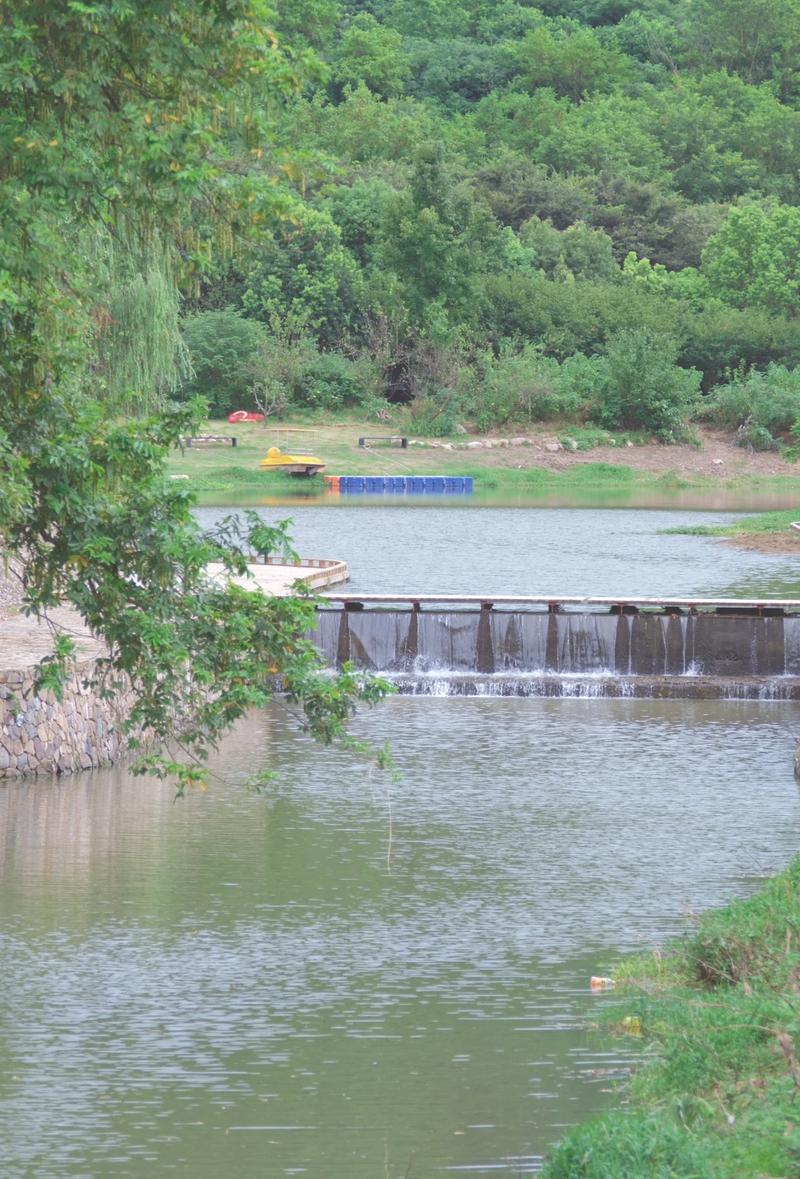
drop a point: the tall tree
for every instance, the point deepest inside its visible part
(113, 121)
(754, 259)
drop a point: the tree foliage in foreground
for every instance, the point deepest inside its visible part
(127, 133)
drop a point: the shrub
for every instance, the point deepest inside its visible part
(646, 389)
(518, 387)
(435, 413)
(222, 346)
(582, 381)
(291, 373)
(334, 382)
(760, 406)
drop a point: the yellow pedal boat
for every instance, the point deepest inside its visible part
(295, 464)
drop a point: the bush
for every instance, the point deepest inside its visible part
(334, 382)
(755, 437)
(646, 389)
(760, 406)
(435, 413)
(518, 387)
(582, 381)
(291, 373)
(222, 346)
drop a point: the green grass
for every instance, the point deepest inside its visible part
(721, 1010)
(223, 473)
(763, 522)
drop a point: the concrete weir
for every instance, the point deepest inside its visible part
(569, 646)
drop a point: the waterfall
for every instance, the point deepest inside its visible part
(530, 652)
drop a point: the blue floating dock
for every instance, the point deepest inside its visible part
(405, 485)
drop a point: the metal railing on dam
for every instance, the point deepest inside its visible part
(568, 645)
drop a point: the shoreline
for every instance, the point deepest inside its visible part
(539, 460)
(83, 727)
(719, 1096)
(779, 544)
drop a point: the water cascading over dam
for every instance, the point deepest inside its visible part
(575, 647)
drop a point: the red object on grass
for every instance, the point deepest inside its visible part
(244, 415)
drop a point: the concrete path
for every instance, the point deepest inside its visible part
(25, 641)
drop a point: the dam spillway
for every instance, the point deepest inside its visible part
(569, 646)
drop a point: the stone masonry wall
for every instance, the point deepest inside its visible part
(42, 735)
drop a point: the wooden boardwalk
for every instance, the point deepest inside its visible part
(276, 578)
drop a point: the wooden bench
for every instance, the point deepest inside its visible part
(209, 440)
(385, 439)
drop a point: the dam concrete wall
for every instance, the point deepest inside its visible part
(720, 644)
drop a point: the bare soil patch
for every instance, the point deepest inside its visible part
(716, 458)
(780, 544)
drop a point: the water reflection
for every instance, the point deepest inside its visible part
(348, 978)
(663, 496)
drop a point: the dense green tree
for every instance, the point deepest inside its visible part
(301, 270)
(645, 218)
(646, 388)
(605, 134)
(572, 62)
(308, 22)
(515, 189)
(437, 19)
(565, 318)
(457, 73)
(758, 39)
(111, 117)
(362, 129)
(358, 211)
(520, 121)
(222, 346)
(591, 12)
(438, 241)
(720, 338)
(574, 253)
(505, 21)
(370, 54)
(754, 259)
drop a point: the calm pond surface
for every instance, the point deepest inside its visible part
(571, 552)
(345, 978)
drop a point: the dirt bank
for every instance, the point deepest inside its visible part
(717, 457)
(780, 544)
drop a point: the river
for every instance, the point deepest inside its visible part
(569, 552)
(346, 977)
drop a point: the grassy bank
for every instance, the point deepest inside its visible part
(528, 469)
(764, 523)
(225, 468)
(721, 1100)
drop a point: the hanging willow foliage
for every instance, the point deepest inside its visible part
(141, 359)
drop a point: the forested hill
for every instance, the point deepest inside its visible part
(587, 208)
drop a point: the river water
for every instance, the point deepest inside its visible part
(561, 551)
(346, 977)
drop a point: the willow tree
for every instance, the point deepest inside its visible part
(141, 359)
(119, 123)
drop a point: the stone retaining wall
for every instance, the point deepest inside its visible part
(42, 735)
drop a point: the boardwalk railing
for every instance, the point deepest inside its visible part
(302, 562)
